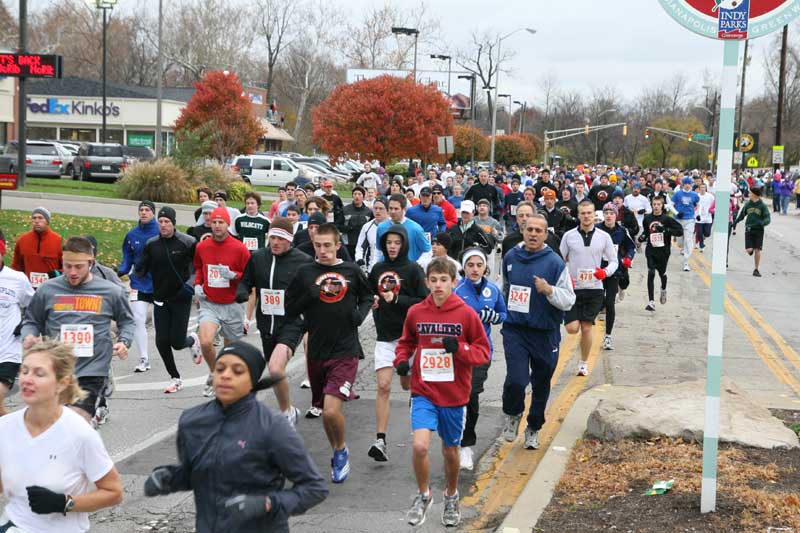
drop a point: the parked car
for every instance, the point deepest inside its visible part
(134, 154)
(320, 165)
(44, 158)
(99, 160)
(257, 169)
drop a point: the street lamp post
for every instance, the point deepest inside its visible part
(449, 63)
(105, 5)
(509, 110)
(409, 31)
(524, 106)
(597, 133)
(472, 82)
(496, 83)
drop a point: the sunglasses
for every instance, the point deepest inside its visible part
(437, 194)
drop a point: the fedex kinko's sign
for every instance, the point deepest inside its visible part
(732, 19)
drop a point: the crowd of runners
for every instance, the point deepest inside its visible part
(437, 261)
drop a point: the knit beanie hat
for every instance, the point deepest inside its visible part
(148, 204)
(221, 212)
(42, 211)
(167, 212)
(255, 361)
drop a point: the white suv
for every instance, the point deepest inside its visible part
(266, 169)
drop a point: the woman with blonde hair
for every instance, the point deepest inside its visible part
(49, 455)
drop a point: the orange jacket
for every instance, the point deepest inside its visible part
(37, 252)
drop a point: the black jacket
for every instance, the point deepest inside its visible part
(627, 218)
(354, 219)
(170, 261)
(405, 278)
(245, 449)
(474, 236)
(267, 271)
(667, 226)
(338, 210)
(479, 191)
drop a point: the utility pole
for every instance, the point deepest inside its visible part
(159, 84)
(741, 104)
(781, 89)
(22, 97)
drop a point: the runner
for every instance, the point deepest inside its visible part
(336, 213)
(448, 209)
(485, 298)
(600, 193)
(418, 244)
(368, 179)
(168, 258)
(626, 250)
(203, 229)
(483, 189)
(757, 218)
(356, 214)
(398, 283)
(251, 228)
(537, 289)
(686, 203)
(307, 247)
(78, 308)
(446, 340)
(430, 217)
(55, 468)
(37, 252)
(510, 203)
(638, 204)
(218, 264)
(467, 233)
(705, 216)
(367, 252)
(440, 247)
(657, 231)
(334, 298)
(269, 272)
(204, 195)
(221, 198)
(524, 211)
(15, 294)
(584, 249)
(242, 489)
(141, 291)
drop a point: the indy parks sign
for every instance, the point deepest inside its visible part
(732, 19)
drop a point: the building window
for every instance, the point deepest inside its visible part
(78, 134)
(41, 133)
(114, 136)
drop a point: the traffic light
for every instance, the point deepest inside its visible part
(624, 130)
(691, 135)
(647, 133)
(586, 130)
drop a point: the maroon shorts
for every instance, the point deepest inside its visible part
(333, 376)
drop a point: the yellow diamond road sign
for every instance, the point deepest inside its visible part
(752, 163)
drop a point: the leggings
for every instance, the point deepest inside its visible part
(479, 375)
(171, 321)
(651, 276)
(611, 286)
(140, 309)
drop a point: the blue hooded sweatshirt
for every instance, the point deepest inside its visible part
(132, 248)
(480, 296)
(520, 267)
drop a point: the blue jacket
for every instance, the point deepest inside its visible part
(456, 201)
(520, 266)
(132, 248)
(623, 244)
(478, 297)
(684, 203)
(418, 244)
(431, 219)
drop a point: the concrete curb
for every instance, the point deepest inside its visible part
(86, 199)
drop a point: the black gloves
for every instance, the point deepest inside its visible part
(53, 274)
(697, 218)
(246, 507)
(18, 330)
(450, 345)
(360, 262)
(403, 368)
(45, 501)
(640, 212)
(642, 238)
(160, 480)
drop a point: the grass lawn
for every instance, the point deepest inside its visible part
(109, 232)
(68, 186)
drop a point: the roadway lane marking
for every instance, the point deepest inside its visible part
(143, 445)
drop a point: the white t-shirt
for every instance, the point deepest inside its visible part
(15, 292)
(66, 459)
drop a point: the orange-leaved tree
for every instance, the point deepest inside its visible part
(383, 118)
(467, 137)
(514, 149)
(221, 116)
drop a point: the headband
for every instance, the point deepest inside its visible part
(471, 253)
(74, 257)
(280, 233)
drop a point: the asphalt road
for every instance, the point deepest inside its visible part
(665, 347)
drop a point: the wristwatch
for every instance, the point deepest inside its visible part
(70, 505)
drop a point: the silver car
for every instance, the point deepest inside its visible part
(44, 158)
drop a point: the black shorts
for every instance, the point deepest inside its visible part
(8, 373)
(754, 238)
(588, 304)
(94, 387)
(657, 262)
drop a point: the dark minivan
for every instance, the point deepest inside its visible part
(98, 160)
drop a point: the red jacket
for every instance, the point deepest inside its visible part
(424, 328)
(450, 215)
(37, 252)
(231, 253)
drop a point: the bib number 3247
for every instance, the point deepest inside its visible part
(519, 298)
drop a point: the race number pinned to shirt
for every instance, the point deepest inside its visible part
(272, 302)
(428, 236)
(37, 278)
(133, 296)
(657, 240)
(519, 299)
(81, 337)
(514, 210)
(329, 217)
(251, 243)
(215, 279)
(585, 278)
(436, 365)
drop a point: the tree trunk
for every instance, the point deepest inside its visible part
(301, 109)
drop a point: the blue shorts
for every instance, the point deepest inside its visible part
(447, 421)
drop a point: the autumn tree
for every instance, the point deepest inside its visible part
(222, 116)
(467, 138)
(384, 118)
(514, 150)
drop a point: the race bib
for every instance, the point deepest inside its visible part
(37, 278)
(272, 302)
(514, 210)
(519, 299)
(428, 236)
(329, 217)
(585, 277)
(251, 243)
(436, 365)
(657, 240)
(616, 249)
(81, 337)
(133, 296)
(215, 279)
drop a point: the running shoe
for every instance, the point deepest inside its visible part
(583, 368)
(686, 266)
(340, 465)
(305, 384)
(143, 366)
(651, 306)
(292, 415)
(313, 412)
(511, 427)
(419, 509)
(378, 451)
(451, 514)
(756, 273)
(663, 297)
(621, 294)
(466, 458)
(174, 386)
(208, 391)
(197, 352)
(100, 417)
(531, 439)
(608, 344)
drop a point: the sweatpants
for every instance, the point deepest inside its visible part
(531, 358)
(171, 321)
(687, 241)
(611, 286)
(140, 309)
(703, 230)
(479, 375)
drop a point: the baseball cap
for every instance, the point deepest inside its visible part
(687, 181)
(467, 205)
(425, 191)
(327, 183)
(436, 188)
(484, 201)
(317, 219)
